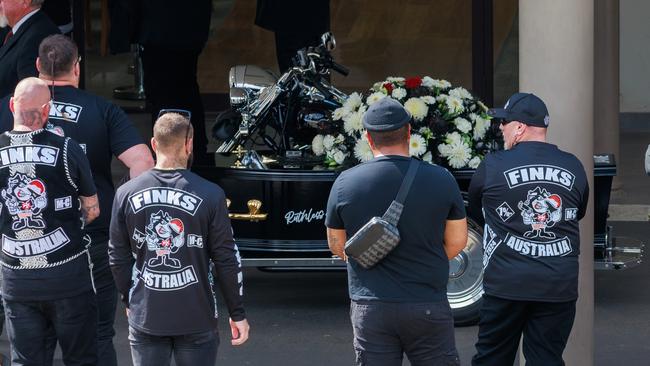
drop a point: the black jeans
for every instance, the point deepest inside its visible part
(74, 321)
(545, 326)
(383, 332)
(106, 299)
(188, 350)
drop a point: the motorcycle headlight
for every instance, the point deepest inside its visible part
(238, 97)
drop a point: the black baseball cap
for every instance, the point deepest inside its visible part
(523, 107)
(384, 115)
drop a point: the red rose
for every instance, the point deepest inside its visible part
(412, 83)
(388, 87)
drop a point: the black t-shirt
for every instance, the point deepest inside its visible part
(418, 269)
(68, 279)
(101, 128)
(175, 223)
(531, 197)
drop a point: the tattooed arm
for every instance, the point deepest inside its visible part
(89, 208)
(336, 241)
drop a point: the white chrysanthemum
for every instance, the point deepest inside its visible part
(339, 139)
(459, 155)
(428, 99)
(481, 125)
(417, 145)
(395, 79)
(328, 142)
(474, 162)
(441, 84)
(354, 121)
(460, 93)
(377, 86)
(353, 102)
(417, 108)
(362, 150)
(340, 113)
(454, 105)
(399, 93)
(444, 150)
(442, 98)
(453, 138)
(374, 97)
(427, 82)
(317, 145)
(483, 106)
(428, 157)
(463, 125)
(338, 156)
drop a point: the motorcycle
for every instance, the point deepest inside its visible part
(283, 114)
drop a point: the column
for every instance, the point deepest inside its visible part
(556, 62)
(606, 79)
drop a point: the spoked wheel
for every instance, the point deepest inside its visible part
(465, 286)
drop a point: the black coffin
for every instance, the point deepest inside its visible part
(295, 201)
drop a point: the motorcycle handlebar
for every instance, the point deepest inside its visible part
(340, 69)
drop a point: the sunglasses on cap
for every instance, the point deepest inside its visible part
(183, 112)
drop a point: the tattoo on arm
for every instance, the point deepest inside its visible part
(89, 208)
(336, 246)
(30, 118)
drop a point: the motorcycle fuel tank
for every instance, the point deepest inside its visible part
(250, 77)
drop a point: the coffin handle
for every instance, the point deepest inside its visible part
(253, 214)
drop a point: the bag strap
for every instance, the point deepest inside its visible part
(394, 211)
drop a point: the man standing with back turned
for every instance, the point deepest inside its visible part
(399, 305)
(532, 195)
(47, 196)
(168, 224)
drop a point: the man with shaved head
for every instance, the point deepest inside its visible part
(168, 225)
(47, 195)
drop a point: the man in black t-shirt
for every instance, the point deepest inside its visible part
(103, 130)
(532, 196)
(168, 225)
(47, 196)
(399, 305)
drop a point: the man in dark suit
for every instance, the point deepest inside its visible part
(173, 34)
(296, 24)
(28, 26)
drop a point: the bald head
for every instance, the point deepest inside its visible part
(30, 104)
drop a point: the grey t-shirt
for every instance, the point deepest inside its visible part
(175, 223)
(418, 269)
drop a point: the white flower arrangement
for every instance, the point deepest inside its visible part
(449, 127)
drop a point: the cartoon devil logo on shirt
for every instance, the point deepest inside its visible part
(164, 236)
(25, 198)
(541, 210)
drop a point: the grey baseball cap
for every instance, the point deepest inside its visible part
(386, 114)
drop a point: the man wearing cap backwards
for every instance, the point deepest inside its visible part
(167, 226)
(531, 196)
(47, 196)
(399, 305)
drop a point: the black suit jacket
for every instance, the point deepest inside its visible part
(293, 15)
(18, 56)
